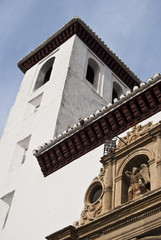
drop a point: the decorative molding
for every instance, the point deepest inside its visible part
(151, 161)
(137, 132)
(93, 209)
(134, 151)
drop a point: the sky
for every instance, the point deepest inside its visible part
(130, 28)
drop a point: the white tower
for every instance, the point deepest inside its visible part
(68, 77)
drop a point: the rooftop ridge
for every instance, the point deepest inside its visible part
(105, 45)
(82, 30)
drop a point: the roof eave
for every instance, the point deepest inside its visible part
(77, 26)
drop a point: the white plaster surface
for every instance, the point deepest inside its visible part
(4, 207)
(41, 205)
(80, 98)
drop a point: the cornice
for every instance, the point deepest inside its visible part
(112, 120)
(93, 42)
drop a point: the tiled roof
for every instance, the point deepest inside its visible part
(93, 42)
(111, 120)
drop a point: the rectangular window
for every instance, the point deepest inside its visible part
(36, 102)
(20, 152)
(33, 105)
(5, 205)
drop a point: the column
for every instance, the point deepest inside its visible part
(158, 158)
(107, 198)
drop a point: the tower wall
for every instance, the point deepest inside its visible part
(81, 98)
(39, 205)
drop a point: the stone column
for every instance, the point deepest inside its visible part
(158, 158)
(107, 198)
(153, 174)
(118, 190)
(114, 183)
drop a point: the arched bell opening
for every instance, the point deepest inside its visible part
(117, 91)
(93, 71)
(44, 73)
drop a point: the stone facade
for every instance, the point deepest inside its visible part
(123, 201)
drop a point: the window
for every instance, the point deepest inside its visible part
(45, 73)
(95, 195)
(5, 205)
(20, 152)
(114, 95)
(94, 192)
(117, 91)
(92, 74)
(36, 102)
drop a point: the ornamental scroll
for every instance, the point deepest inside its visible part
(136, 132)
(93, 202)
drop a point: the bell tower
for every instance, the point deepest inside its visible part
(67, 78)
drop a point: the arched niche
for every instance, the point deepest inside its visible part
(137, 159)
(93, 70)
(117, 91)
(133, 155)
(134, 163)
(44, 73)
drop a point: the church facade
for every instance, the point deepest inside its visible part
(76, 98)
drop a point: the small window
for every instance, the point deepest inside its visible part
(92, 74)
(95, 195)
(5, 205)
(36, 102)
(117, 91)
(114, 95)
(21, 149)
(45, 73)
(94, 192)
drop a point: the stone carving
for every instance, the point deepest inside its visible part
(89, 213)
(136, 132)
(92, 210)
(139, 180)
(101, 175)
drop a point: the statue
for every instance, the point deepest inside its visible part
(139, 181)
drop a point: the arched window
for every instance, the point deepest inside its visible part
(90, 74)
(45, 73)
(93, 70)
(114, 95)
(117, 91)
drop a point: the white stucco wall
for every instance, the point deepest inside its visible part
(41, 205)
(44, 205)
(81, 98)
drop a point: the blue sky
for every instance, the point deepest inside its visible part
(131, 28)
